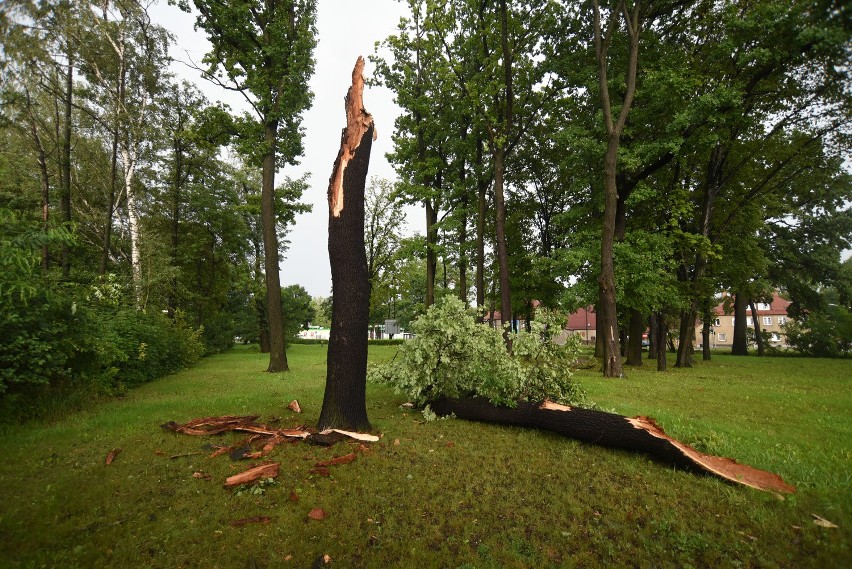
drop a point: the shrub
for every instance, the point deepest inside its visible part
(453, 356)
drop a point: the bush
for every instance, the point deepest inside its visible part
(64, 342)
(453, 356)
(823, 334)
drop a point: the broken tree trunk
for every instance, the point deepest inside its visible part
(610, 430)
(344, 404)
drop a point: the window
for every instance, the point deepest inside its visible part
(762, 306)
(767, 320)
(717, 322)
(722, 337)
(749, 321)
(782, 320)
(776, 337)
(733, 321)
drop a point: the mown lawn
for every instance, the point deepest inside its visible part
(440, 494)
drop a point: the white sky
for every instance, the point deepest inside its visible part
(347, 29)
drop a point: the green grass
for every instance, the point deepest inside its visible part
(451, 493)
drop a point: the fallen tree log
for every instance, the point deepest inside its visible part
(639, 434)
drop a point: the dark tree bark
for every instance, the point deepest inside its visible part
(499, 152)
(705, 339)
(431, 248)
(275, 315)
(660, 335)
(634, 344)
(481, 190)
(344, 404)
(465, 202)
(740, 344)
(758, 333)
(638, 434)
(608, 328)
(65, 165)
(652, 336)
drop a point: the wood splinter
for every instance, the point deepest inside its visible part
(358, 123)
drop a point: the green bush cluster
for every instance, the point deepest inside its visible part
(452, 355)
(825, 334)
(59, 342)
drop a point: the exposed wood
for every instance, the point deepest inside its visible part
(267, 470)
(366, 437)
(640, 434)
(294, 406)
(338, 460)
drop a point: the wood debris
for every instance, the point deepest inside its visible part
(202, 475)
(345, 459)
(822, 522)
(294, 406)
(366, 437)
(111, 455)
(267, 470)
(317, 514)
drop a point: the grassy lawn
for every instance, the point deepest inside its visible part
(440, 494)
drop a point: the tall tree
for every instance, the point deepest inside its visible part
(608, 319)
(264, 50)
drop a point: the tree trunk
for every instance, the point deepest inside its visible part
(740, 345)
(502, 250)
(653, 336)
(65, 162)
(686, 334)
(660, 335)
(607, 294)
(113, 178)
(634, 344)
(431, 257)
(638, 434)
(463, 262)
(129, 159)
(705, 339)
(481, 189)
(499, 152)
(275, 315)
(344, 404)
(608, 330)
(758, 333)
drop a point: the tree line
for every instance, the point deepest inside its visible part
(641, 156)
(142, 224)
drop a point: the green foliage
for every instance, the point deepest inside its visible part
(453, 356)
(298, 309)
(825, 334)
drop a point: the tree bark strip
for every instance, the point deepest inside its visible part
(344, 403)
(639, 434)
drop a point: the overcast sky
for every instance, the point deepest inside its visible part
(347, 29)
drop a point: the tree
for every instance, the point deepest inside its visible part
(298, 309)
(344, 403)
(264, 50)
(384, 221)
